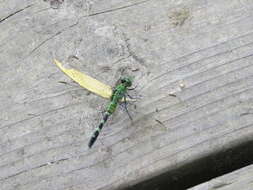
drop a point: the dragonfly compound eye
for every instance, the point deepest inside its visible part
(127, 81)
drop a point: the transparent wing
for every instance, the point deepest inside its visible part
(89, 121)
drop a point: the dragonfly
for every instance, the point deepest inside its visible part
(117, 95)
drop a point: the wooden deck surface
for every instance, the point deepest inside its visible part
(240, 179)
(192, 62)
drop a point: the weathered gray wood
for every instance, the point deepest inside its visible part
(199, 50)
(240, 179)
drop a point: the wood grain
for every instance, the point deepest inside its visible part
(240, 179)
(200, 51)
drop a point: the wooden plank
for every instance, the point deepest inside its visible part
(240, 179)
(198, 51)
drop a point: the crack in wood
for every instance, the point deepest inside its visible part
(218, 186)
(117, 9)
(53, 36)
(14, 13)
(40, 166)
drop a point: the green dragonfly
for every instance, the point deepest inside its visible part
(117, 95)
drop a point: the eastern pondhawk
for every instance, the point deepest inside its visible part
(116, 95)
(119, 92)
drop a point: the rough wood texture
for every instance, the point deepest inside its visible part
(240, 179)
(199, 50)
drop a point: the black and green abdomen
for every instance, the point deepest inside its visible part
(111, 107)
(118, 94)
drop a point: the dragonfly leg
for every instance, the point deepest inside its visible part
(125, 106)
(133, 88)
(131, 97)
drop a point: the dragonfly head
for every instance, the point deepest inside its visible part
(127, 81)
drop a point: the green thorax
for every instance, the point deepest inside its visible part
(118, 94)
